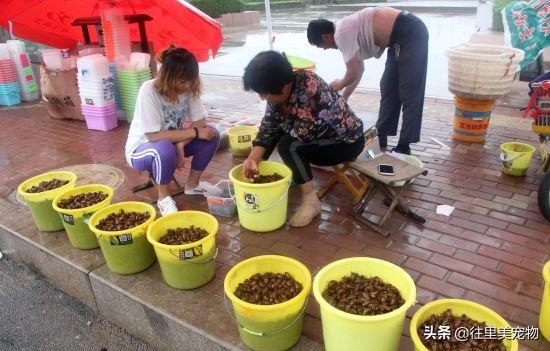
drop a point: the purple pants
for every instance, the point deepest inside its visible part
(161, 160)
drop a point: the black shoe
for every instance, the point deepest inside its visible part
(402, 149)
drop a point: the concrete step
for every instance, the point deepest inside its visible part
(142, 304)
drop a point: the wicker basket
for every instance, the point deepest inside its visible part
(482, 71)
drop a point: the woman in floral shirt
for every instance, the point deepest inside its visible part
(308, 120)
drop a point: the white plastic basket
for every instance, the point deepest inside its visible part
(482, 71)
(219, 199)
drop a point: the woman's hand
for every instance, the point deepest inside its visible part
(250, 169)
(206, 133)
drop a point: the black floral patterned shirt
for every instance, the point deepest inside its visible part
(313, 111)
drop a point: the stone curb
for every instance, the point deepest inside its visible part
(142, 304)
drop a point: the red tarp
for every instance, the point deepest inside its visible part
(174, 22)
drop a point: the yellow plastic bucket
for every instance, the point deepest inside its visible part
(125, 251)
(76, 221)
(262, 207)
(40, 204)
(471, 119)
(516, 158)
(544, 320)
(345, 331)
(269, 327)
(187, 266)
(300, 63)
(471, 309)
(240, 139)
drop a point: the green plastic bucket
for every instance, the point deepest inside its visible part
(129, 114)
(262, 207)
(344, 331)
(133, 80)
(129, 86)
(40, 204)
(269, 327)
(76, 221)
(186, 266)
(129, 97)
(459, 307)
(300, 63)
(125, 251)
(133, 73)
(516, 158)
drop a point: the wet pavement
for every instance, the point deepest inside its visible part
(489, 250)
(289, 28)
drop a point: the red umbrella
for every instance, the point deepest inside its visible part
(174, 22)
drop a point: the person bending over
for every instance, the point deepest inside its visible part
(307, 119)
(366, 34)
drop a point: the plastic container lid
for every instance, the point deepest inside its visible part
(96, 65)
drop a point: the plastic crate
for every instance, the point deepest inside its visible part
(103, 123)
(10, 99)
(219, 200)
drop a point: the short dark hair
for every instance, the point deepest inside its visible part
(267, 73)
(318, 27)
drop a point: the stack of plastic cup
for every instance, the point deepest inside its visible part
(97, 91)
(112, 69)
(9, 88)
(56, 59)
(131, 74)
(129, 83)
(116, 34)
(25, 76)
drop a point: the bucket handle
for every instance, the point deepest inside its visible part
(503, 157)
(222, 181)
(197, 263)
(251, 332)
(234, 198)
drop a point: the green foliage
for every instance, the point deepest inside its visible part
(275, 4)
(497, 16)
(339, 2)
(215, 8)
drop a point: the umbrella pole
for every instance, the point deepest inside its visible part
(269, 25)
(10, 30)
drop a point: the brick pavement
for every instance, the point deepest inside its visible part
(490, 250)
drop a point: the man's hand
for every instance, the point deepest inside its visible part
(337, 85)
(206, 133)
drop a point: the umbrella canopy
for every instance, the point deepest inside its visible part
(174, 22)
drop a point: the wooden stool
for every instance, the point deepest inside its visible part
(404, 172)
(344, 174)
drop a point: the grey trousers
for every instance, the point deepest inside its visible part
(404, 80)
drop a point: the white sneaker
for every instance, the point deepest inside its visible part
(202, 188)
(167, 206)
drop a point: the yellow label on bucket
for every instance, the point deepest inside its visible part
(124, 239)
(251, 201)
(244, 138)
(191, 252)
(67, 218)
